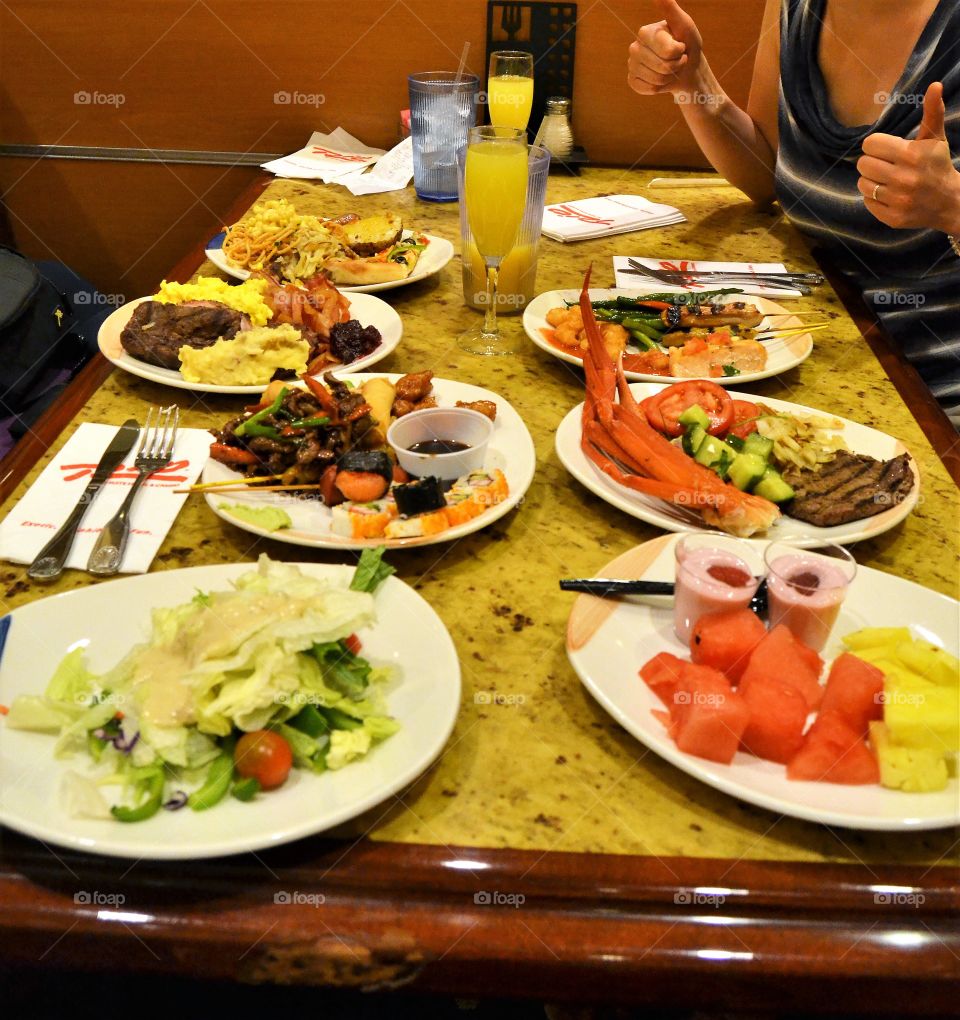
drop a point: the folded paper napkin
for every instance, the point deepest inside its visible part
(325, 157)
(612, 214)
(34, 520)
(629, 279)
(339, 158)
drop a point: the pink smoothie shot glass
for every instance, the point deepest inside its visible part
(807, 588)
(713, 572)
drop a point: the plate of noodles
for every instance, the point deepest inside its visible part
(360, 254)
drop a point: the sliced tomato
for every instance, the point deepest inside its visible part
(663, 409)
(744, 418)
(353, 644)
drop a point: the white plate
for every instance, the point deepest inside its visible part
(608, 641)
(370, 311)
(111, 617)
(511, 450)
(860, 439)
(437, 254)
(782, 354)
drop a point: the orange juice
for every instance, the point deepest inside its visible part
(518, 274)
(509, 98)
(495, 189)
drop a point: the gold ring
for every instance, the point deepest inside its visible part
(876, 188)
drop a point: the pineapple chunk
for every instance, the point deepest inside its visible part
(911, 769)
(929, 662)
(922, 715)
(876, 637)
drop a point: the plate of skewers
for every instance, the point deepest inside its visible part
(720, 335)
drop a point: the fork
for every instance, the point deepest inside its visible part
(153, 453)
(793, 281)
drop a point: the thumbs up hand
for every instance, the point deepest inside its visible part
(665, 56)
(912, 183)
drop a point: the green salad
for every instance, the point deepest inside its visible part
(232, 690)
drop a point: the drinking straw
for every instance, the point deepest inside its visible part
(463, 61)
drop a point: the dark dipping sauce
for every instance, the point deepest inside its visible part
(434, 446)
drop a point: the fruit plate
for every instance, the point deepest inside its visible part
(608, 640)
(110, 618)
(670, 517)
(781, 354)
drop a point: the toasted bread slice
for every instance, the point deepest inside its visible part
(359, 272)
(371, 234)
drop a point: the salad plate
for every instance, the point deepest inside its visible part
(368, 310)
(510, 449)
(608, 640)
(437, 254)
(108, 619)
(781, 355)
(860, 439)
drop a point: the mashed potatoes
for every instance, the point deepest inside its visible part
(249, 359)
(246, 297)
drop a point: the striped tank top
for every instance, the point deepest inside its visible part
(909, 278)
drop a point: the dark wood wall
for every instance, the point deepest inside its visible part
(204, 75)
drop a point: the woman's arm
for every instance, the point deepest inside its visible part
(667, 56)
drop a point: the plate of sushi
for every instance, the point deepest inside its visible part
(311, 466)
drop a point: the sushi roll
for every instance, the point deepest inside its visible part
(461, 507)
(363, 476)
(360, 520)
(420, 496)
(486, 488)
(418, 527)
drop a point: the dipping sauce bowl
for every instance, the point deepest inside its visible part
(438, 426)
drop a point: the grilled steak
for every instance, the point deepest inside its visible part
(156, 331)
(848, 488)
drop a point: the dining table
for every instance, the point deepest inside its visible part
(546, 853)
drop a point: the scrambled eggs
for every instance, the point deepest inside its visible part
(246, 298)
(249, 359)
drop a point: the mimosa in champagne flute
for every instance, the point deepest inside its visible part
(510, 88)
(495, 190)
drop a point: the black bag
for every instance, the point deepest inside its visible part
(36, 333)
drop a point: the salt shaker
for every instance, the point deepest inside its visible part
(555, 133)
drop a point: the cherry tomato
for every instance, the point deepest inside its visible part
(663, 409)
(744, 412)
(265, 756)
(353, 644)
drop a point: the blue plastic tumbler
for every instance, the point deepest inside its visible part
(443, 105)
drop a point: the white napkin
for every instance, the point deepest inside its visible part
(35, 519)
(325, 157)
(631, 281)
(391, 172)
(612, 214)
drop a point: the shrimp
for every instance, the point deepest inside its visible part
(616, 436)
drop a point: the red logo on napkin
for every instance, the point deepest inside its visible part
(127, 474)
(577, 214)
(319, 150)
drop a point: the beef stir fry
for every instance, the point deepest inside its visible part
(299, 435)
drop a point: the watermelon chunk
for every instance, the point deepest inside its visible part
(780, 656)
(725, 640)
(778, 714)
(707, 716)
(833, 752)
(854, 691)
(661, 674)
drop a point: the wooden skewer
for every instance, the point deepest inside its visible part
(240, 487)
(787, 334)
(230, 481)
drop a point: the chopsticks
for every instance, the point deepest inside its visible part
(607, 587)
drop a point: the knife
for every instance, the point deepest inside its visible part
(48, 564)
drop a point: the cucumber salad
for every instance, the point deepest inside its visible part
(231, 690)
